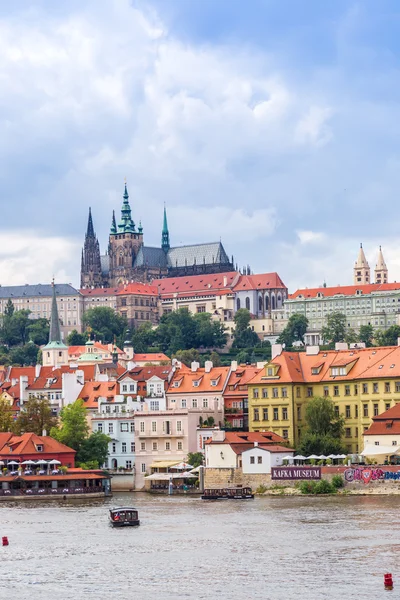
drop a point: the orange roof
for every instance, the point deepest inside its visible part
(146, 373)
(78, 350)
(238, 379)
(100, 291)
(139, 288)
(151, 357)
(261, 281)
(369, 363)
(247, 438)
(195, 284)
(26, 444)
(345, 290)
(187, 377)
(387, 423)
(93, 390)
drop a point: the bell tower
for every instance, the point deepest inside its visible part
(361, 269)
(381, 271)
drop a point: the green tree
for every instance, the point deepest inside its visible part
(9, 308)
(93, 450)
(324, 428)
(242, 357)
(366, 335)
(335, 329)
(20, 323)
(210, 333)
(34, 417)
(144, 337)
(6, 418)
(312, 443)
(73, 425)
(38, 331)
(187, 356)
(76, 339)
(351, 336)
(215, 359)
(26, 355)
(195, 459)
(294, 331)
(388, 337)
(244, 336)
(105, 324)
(177, 331)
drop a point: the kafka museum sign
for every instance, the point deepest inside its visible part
(295, 473)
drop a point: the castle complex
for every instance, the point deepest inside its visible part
(128, 259)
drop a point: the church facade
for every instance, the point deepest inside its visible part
(128, 260)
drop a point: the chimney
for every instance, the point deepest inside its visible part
(225, 281)
(37, 371)
(218, 435)
(208, 365)
(234, 365)
(341, 346)
(194, 366)
(44, 433)
(255, 444)
(312, 350)
(276, 350)
(398, 341)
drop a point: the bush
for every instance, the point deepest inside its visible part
(307, 487)
(324, 487)
(261, 489)
(337, 481)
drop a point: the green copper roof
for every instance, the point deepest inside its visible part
(126, 225)
(165, 224)
(55, 340)
(113, 229)
(165, 233)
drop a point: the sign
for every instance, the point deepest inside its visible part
(370, 474)
(295, 473)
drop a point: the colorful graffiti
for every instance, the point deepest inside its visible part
(369, 474)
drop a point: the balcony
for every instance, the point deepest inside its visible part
(159, 434)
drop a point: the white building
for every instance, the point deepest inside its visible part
(260, 459)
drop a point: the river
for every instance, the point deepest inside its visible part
(278, 548)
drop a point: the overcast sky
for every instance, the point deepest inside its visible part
(271, 124)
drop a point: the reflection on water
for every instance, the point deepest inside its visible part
(270, 548)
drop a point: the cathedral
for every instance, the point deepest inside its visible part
(128, 259)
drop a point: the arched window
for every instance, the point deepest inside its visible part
(266, 302)
(279, 301)
(260, 303)
(121, 261)
(248, 303)
(273, 302)
(238, 304)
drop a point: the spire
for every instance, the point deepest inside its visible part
(113, 229)
(381, 261)
(126, 224)
(90, 228)
(361, 260)
(381, 271)
(55, 332)
(165, 233)
(361, 269)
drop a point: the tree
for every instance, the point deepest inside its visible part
(26, 355)
(366, 335)
(244, 336)
(242, 357)
(312, 443)
(195, 459)
(388, 337)
(20, 324)
(187, 356)
(73, 425)
(144, 337)
(105, 324)
(210, 333)
(76, 339)
(351, 336)
(35, 416)
(294, 330)
(38, 331)
(93, 450)
(324, 428)
(6, 418)
(177, 331)
(215, 359)
(9, 308)
(335, 329)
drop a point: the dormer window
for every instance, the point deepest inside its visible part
(176, 384)
(270, 371)
(196, 383)
(39, 448)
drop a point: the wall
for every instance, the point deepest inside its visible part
(214, 458)
(215, 478)
(269, 459)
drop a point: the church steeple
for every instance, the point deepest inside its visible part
(165, 233)
(361, 269)
(55, 331)
(381, 271)
(113, 230)
(90, 228)
(91, 272)
(126, 224)
(55, 353)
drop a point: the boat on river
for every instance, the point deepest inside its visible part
(124, 516)
(241, 493)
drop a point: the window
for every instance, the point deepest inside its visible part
(143, 467)
(298, 392)
(124, 426)
(183, 403)
(348, 412)
(201, 309)
(347, 390)
(205, 403)
(247, 302)
(270, 371)
(285, 433)
(284, 414)
(255, 393)
(259, 460)
(365, 388)
(309, 392)
(365, 410)
(128, 464)
(274, 392)
(265, 414)
(194, 403)
(356, 389)
(347, 432)
(143, 445)
(132, 427)
(394, 443)
(114, 447)
(336, 390)
(124, 387)
(387, 405)
(154, 426)
(276, 414)
(155, 446)
(179, 426)
(326, 391)
(179, 445)
(299, 413)
(168, 445)
(123, 450)
(387, 387)
(376, 443)
(336, 408)
(141, 426)
(111, 428)
(375, 388)
(132, 446)
(99, 426)
(376, 410)
(397, 386)
(356, 411)
(265, 393)
(256, 414)
(284, 392)
(252, 460)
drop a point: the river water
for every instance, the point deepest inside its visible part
(278, 548)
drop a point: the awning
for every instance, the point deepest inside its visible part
(380, 450)
(164, 464)
(168, 476)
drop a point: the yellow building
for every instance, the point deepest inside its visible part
(362, 383)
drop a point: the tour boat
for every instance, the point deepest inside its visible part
(242, 493)
(124, 516)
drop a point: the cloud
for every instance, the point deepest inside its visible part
(311, 237)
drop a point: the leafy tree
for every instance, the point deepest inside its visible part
(74, 429)
(38, 331)
(366, 335)
(388, 337)
(144, 337)
(335, 329)
(177, 331)
(351, 336)
(312, 443)
(105, 324)
(76, 339)
(20, 323)
(187, 356)
(324, 428)
(195, 459)
(24, 355)
(244, 336)
(216, 359)
(9, 308)
(93, 450)
(34, 417)
(294, 330)
(210, 333)
(242, 357)
(6, 418)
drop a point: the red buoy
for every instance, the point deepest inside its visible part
(4, 540)
(388, 581)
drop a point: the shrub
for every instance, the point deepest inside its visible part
(261, 489)
(307, 487)
(337, 481)
(324, 487)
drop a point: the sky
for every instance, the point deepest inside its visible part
(273, 125)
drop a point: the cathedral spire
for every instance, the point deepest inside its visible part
(361, 268)
(113, 229)
(381, 271)
(165, 233)
(90, 228)
(126, 224)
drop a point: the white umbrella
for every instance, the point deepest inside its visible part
(1, 462)
(41, 462)
(287, 458)
(28, 462)
(54, 462)
(322, 457)
(187, 474)
(312, 456)
(299, 457)
(342, 455)
(195, 470)
(333, 456)
(13, 462)
(183, 465)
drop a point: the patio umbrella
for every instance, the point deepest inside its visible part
(299, 457)
(187, 474)
(287, 458)
(13, 462)
(322, 457)
(342, 455)
(28, 462)
(195, 470)
(54, 462)
(41, 462)
(333, 456)
(183, 465)
(312, 456)
(1, 462)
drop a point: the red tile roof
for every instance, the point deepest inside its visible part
(104, 348)
(197, 284)
(19, 446)
(238, 379)
(345, 290)
(261, 281)
(151, 357)
(138, 289)
(249, 437)
(100, 291)
(187, 377)
(146, 373)
(387, 423)
(93, 390)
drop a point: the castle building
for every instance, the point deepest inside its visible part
(129, 260)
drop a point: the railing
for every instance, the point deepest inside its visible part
(51, 491)
(159, 434)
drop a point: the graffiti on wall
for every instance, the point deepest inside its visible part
(370, 474)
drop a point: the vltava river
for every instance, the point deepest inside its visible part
(270, 548)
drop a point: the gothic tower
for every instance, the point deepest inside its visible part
(124, 243)
(91, 275)
(165, 233)
(55, 353)
(381, 272)
(361, 269)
